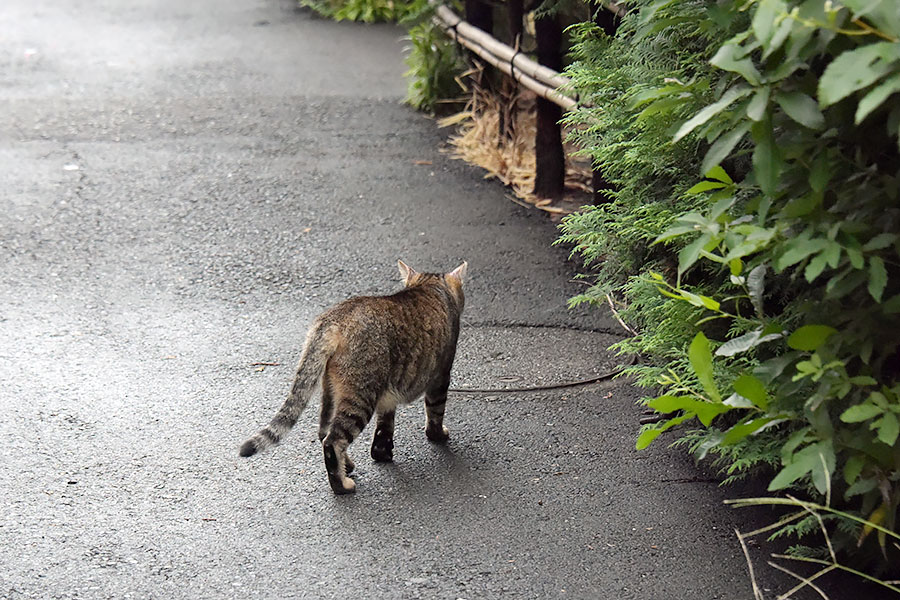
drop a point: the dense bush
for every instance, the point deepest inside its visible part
(753, 234)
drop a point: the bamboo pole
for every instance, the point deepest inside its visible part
(539, 79)
(500, 50)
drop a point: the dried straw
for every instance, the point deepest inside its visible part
(510, 158)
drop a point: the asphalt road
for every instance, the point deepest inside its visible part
(185, 186)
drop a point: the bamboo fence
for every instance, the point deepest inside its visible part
(541, 80)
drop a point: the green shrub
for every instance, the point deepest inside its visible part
(754, 146)
(434, 63)
(367, 11)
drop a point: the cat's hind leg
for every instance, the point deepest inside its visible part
(383, 440)
(350, 417)
(435, 402)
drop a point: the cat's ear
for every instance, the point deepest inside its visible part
(460, 272)
(406, 272)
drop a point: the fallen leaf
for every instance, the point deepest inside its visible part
(422, 162)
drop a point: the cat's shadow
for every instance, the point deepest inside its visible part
(417, 472)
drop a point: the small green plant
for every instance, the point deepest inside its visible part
(434, 64)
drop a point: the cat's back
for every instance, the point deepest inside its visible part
(403, 314)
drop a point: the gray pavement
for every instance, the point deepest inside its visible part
(185, 186)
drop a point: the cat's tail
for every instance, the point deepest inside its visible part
(319, 347)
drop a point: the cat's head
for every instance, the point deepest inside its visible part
(452, 280)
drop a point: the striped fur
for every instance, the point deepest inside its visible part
(309, 371)
(370, 354)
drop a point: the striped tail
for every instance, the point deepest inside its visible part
(312, 363)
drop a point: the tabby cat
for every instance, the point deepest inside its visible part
(372, 353)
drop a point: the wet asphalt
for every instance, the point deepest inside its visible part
(185, 186)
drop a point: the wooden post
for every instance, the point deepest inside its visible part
(550, 168)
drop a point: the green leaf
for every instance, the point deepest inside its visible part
(734, 58)
(815, 267)
(669, 403)
(882, 240)
(701, 361)
(832, 253)
(705, 186)
(756, 108)
(793, 442)
(883, 14)
(860, 413)
(722, 147)
(706, 411)
(801, 108)
(876, 97)
(712, 110)
(810, 337)
(767, 161)
(817, 459)
(674, 232)
(853, 468)
(780, 35)
(648, 435)
(765, 19)
(742, 430)
(792, 472)
(802, 206)
(690, 253)
(877, 277)
(820, 173)
(719, 174)
(855, 69)
(797, 249)
(744, 342)
(823, 466)
(753, 390)
(856, 257)
(890, 428)
(862, 486)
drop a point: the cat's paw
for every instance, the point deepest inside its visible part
(438, 435)
(382, 452)
(342, 485)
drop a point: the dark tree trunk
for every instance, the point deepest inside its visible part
(550, 170)
(516, 13)
(480, 14)
(607, 20)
